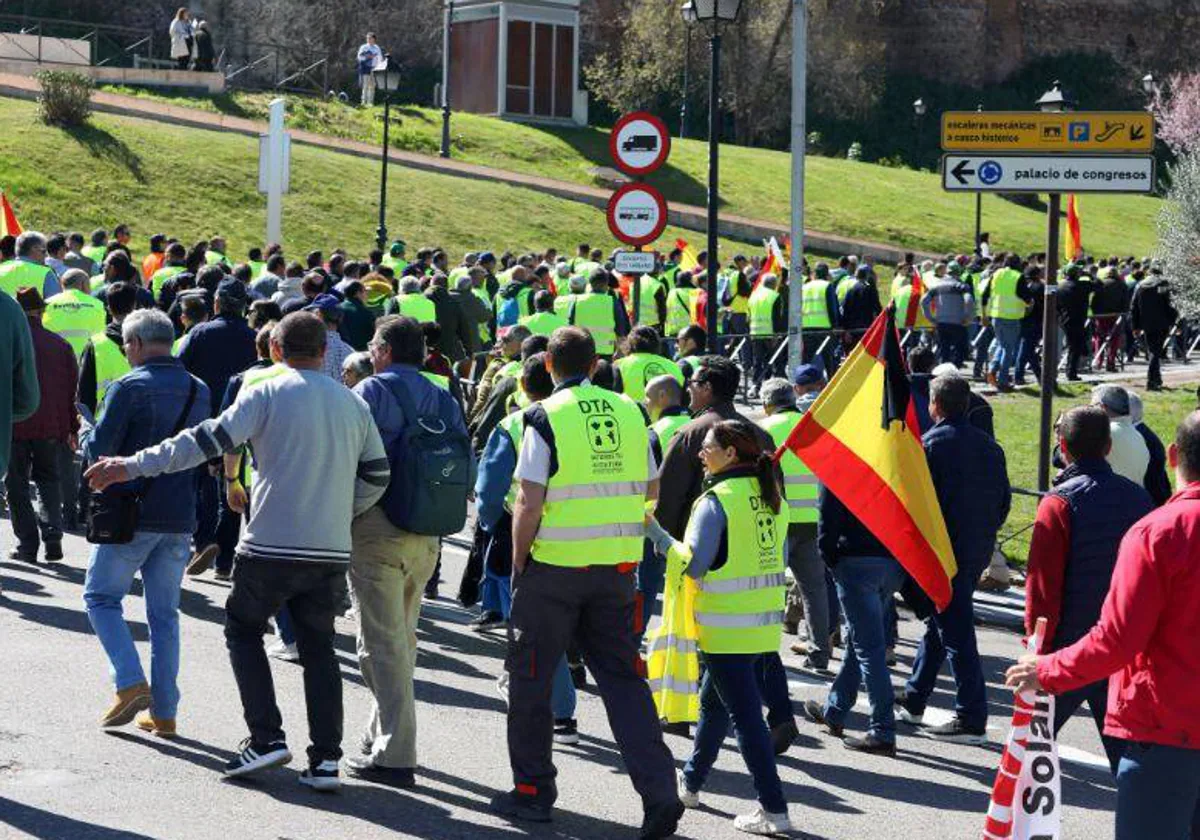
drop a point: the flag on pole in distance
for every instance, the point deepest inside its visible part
(1073, 242)
(861, 439)
(687, 258)
(9, 226)
(773, 263)
(1026, 799)
(913, 311)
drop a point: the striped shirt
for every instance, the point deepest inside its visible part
(319, 458)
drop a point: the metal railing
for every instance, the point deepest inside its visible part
(109, 44)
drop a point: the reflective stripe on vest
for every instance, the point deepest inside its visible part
(676, 685)
(800, 486)
(815, 305)
(739, 620)
(594, 312)
(600, 443)
(416, 305)
(1003, 301)
(748, 584)
(675, 643)
(762, 309)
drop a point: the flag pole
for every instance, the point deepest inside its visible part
(799, 142)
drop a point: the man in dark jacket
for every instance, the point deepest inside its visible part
(1074, 293)
(1076, 536)
(214, 352)
(1156, 482)
(456, 331)
(358, 321)
(860, 307)
(970, 477)
(1153, 317)
(476, 313)
(1109, 302)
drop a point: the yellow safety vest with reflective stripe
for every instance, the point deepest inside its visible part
(17, 273)
(543, 323)
(679, 309)
(484, 331)
(843, 288)
(739, 608)
(1003, 301)
(814, 303)
(902, 299)
(672, 661)
(762, 307)
(396, 264)
(800, 486)
(667, 427)
(95, 253)
(111, 365)
(162, 275)
(562, 303)
(649, 286)
(75, 316)
(256, 268)
(595, 502)
(639, 368)
(212, 257)
(416, 305)
(250, 378)
(594, 312)
(514, 426)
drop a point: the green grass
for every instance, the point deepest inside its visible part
(1017, 418)
(195, 184)
(864, 200)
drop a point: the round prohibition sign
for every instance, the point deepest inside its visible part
(639, 143)
(637, 214)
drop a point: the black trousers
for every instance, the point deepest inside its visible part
(550, 606)
(1076, 337)
(313, 593)
(37, 461)
(229, 525)
(1096, 696)
(1155, 339)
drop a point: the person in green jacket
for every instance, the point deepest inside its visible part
(19, 392)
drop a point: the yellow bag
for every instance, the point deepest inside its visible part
(673, 663)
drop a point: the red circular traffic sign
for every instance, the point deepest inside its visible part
(637, 214)
(639, 143)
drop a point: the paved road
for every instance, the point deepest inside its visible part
(62, 777)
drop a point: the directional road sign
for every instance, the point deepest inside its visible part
(637, 214)
(634, 262)
(639, 143)
(1021, 131)
(990, 172)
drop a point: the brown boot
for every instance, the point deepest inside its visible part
(162, 727)
(129, 702)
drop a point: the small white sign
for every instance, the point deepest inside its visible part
(1049, 173)
(634, 262)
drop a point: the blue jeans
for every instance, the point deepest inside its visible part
(1031, 334)
(1008, 337)
(562, 692)
(161, 558)
(951, 635)
(1158, 788)
(729, 694)
(864, 584)
(651, 573)
(496, 592)
(773, 684)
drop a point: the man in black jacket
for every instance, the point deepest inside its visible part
(1074, 293)
(1153, 317)
(456, 336)
(860, 307)
(1109, 302)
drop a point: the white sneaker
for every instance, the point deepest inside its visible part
(909, 717)
(287, 653)
(763, 822)
(686, 797)
(502, 686)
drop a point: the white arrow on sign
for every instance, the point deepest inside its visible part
(1052, 173)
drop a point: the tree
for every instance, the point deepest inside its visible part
(1179, 233)
(1176, 107)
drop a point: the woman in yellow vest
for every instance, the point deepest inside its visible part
(735, 548)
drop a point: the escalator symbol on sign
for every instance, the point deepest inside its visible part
(604, 434)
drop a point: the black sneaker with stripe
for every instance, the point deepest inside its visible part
(322, 776)
(253, 757)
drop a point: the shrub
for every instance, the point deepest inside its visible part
(66, 98)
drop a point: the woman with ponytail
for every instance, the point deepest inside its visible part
(735, 552)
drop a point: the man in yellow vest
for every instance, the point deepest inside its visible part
(103, 361)
(680, 301)
(801, 490)
(586, 471)
(544, 319)
(1003, 304)
(575, 287)
(767, 318)
(600, 313)
(652, 301)
(29, 268)
(73, 313)
(820, 313)
(644, 360)
(175, 264)
(98, 250)
(411, 302)
(394, 258)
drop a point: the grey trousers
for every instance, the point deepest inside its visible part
(809, 570)
(36, 461)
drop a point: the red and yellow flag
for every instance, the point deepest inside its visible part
(1073, 241)
(861, 439)
(9, 226)
(687, 259)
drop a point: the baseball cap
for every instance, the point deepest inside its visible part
(322, 303)
(487, 256)
(397, 248)
(232, 290)
(30, 299)
(808, 375)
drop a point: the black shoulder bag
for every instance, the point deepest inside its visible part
(112, 515)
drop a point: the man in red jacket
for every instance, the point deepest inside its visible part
(1146, 638)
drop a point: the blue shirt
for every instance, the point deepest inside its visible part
(495, 477)
(141, 410)
(216, 350)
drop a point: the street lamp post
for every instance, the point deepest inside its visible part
(978, 203)
(446, 46)
(919, 109)
(689, 18)
(713, 12)
(1149, 84)
(1054, 100)
(386, 80)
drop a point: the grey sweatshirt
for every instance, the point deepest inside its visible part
(948, 301)
(320, 462)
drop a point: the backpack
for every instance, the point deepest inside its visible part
(431, 466)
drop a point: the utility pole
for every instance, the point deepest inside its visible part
(276, 157)
(799, 143)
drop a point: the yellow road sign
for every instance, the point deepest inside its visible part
(1012, 131)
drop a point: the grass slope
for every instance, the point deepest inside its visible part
(852, 199)
(195, 184)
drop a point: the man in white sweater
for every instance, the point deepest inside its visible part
(320, 462)
(1129, 455)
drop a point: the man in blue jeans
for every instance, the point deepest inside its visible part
(144, 407)
(867, 577)
(970, 477)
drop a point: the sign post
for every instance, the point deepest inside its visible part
(273, 168)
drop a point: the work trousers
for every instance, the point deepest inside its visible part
(952, 343)
(313, 592)
(809, 570)
(37, 461)
(762, 349)
(388, 572)
(68, 484)
(1076, 337)
(595, 605)
(1155, 339)
(1096, 696)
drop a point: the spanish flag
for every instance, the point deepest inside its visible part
(861, 439)
(1074, 238)
(9, 226)
(687, 259)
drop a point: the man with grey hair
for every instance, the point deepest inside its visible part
(411, 302)
(29, 268)
(1129, 455)
(73, 313)
(475, 311)
(152, 402)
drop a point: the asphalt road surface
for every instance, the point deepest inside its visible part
(61, 776)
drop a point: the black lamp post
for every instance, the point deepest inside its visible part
(689, 18)
(446, 82)
(713, 13)
(386, 81)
